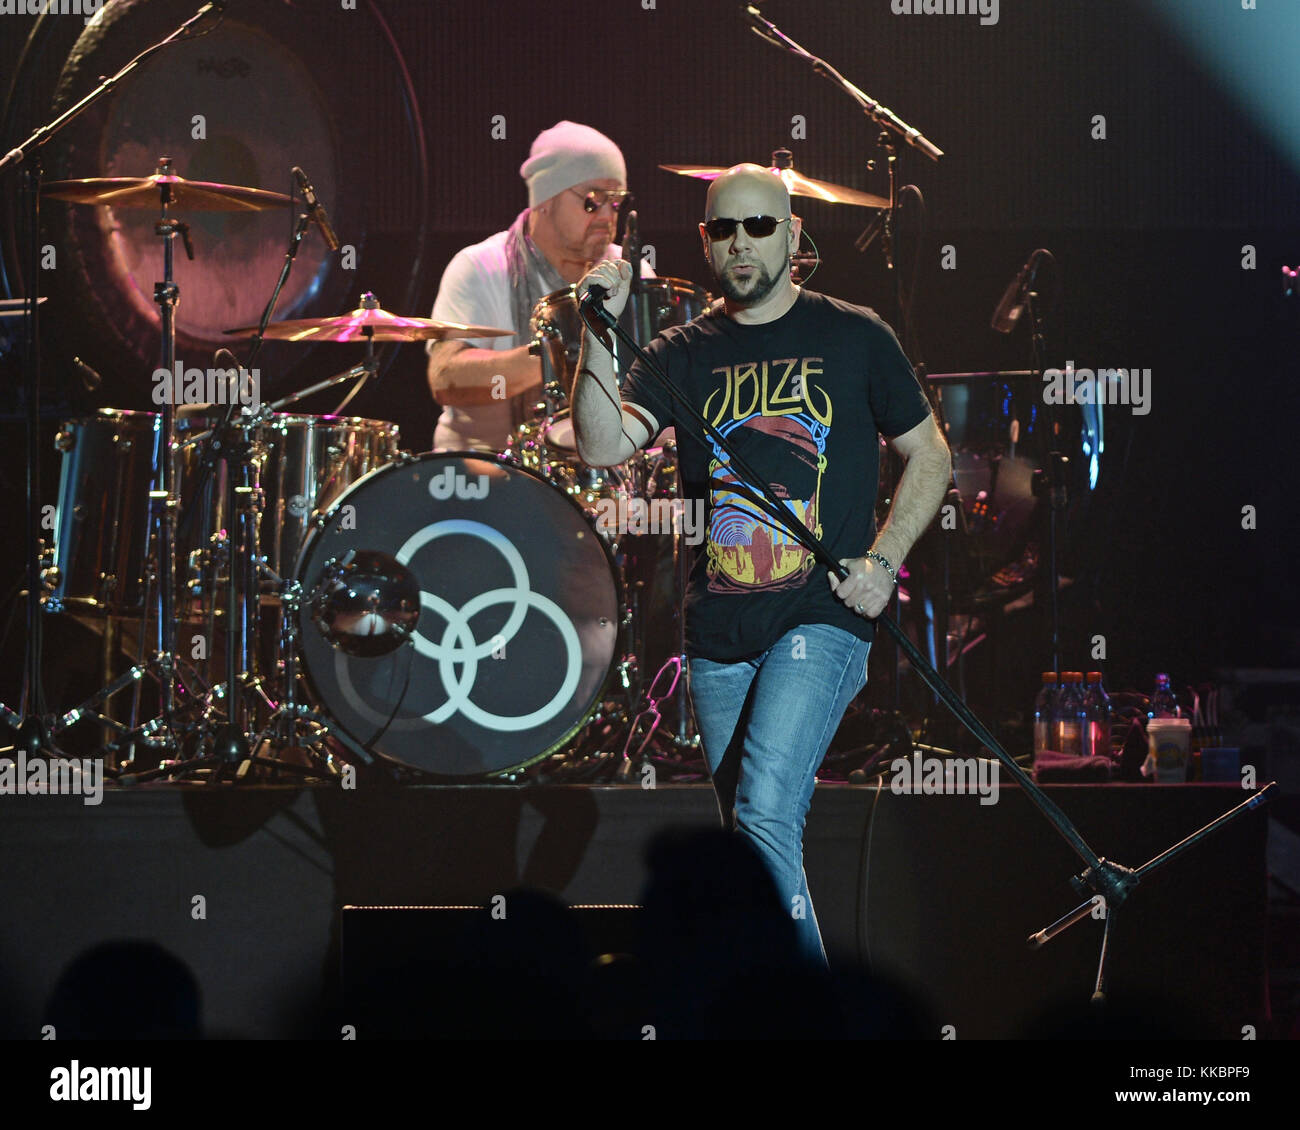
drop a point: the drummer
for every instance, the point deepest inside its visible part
(577, 184)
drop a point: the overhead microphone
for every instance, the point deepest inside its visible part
(224, 360)
(632, 242)
(316, 208)
(1012, 303)
(90, 379)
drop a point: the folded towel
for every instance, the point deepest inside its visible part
(1051, 766)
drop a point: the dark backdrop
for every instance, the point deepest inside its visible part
(1147, 225)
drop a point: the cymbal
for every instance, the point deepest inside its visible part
(16, 307)
(146, 192)
(797, 183)
(371, 323)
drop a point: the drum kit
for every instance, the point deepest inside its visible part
(306, 595)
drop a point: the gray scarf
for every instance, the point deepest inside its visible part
(532, 277)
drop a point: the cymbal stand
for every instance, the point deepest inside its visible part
(282, 726)
(31, 726)
(161, 731)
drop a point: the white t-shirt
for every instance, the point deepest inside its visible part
(475, 290)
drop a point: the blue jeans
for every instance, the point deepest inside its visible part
(766, 723)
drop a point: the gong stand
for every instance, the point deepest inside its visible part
(1101, 879)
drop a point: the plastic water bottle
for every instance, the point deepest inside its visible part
(1164, 703)
(1069, 715)
(1097, 733)
(1044, 705)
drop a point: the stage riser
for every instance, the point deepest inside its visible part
(952, 888)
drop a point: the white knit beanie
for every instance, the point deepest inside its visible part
(568, 154)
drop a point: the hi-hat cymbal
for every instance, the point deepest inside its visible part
(183, 195)
(12, 308)
(369, 322)
(797, 183)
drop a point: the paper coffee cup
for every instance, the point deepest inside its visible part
(1169, 742)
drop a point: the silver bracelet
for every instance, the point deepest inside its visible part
(881, 559)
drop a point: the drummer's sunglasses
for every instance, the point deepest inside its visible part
(597, 198)
(760, 227)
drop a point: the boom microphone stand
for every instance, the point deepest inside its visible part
(1101, 878)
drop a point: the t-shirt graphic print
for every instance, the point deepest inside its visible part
(803, 400)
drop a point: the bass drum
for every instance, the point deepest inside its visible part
(519, 615)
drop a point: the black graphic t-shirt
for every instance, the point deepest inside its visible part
(803, 400)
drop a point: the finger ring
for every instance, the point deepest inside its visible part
(857, 608)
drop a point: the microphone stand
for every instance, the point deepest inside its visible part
(893, 128)
(1102, 878)
(31, 727)
(880, 114)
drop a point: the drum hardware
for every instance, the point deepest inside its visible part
(245, 566)
(12, 309)
(234, 554)
(629, 733)
(1049, 481)
(369, 322)
(163, 190)
(546, 444)
(281, 729)
(144, 192)
(244, 562)
(31, 727)
(548, 447)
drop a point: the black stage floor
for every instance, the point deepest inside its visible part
(940, 892)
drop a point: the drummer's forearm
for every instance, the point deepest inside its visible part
(466, 377)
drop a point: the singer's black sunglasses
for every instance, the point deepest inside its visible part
(597, 198)
(760, 227)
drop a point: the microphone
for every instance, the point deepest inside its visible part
(1012, 304)
(316, 209)
(89, 377)
(595, 297)
(225, 361)
(632, 243)
(632, 251)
